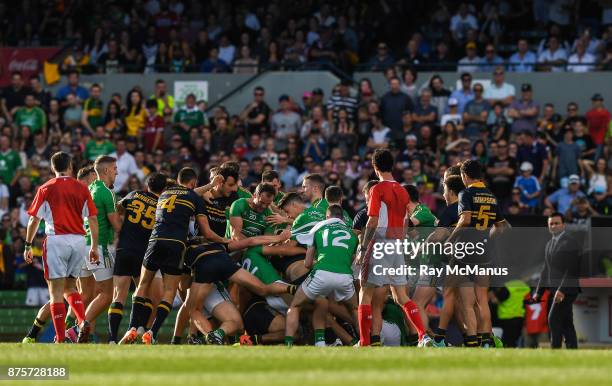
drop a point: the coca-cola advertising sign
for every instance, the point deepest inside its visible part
(28, 61)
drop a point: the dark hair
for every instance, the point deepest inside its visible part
(557, 214)
(264, 187)
(269, 176)
(104, 159)
(156, 182)
(232, 165)
(259, 88)
(333, 194)
(84, 172)
(454, 184)
(335, 211)
(317, 179)
(369, 185)
(151, 103)
(413, 192)
(61, 161)
(227, 172)
(128, 101)
(72, 72)
(454, 170)
(290, 198)
(95, 85)
(382, 159)
(159, 81)
(412, 71)
(186, 175)
(472, 169)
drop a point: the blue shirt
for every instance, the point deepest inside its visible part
(462, 98)
(525, 64)
(563, 199)
(490, 65)
(80, 92)
(528, 185)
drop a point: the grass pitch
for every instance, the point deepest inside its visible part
(212, 365)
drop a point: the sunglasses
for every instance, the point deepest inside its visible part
(282, 159)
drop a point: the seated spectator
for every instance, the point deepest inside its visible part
(490, 61)
(425, 113)
(471, 61)
(453, 115)
(98, 145)
(318, 121)
(135, 114)
(524, 112)
(497, 123)
(499, 90)
(112, 61)
(380, 135)
(72, 87)
(154, 128)
(439, 94)
(188, 117)
(408, 87)
(126, 167)
(382, 60)
(529, 186)
(581, 61)
(533, 152)
(554, 57)
(563, 199)
(599, 186)
(30, 119)
(522, 60)
(441, 59)
(585, 142)
(315, 146)
(580, 211)
(213, 63)
(464, 94)
(476, 113)
(72, 112)
(288, 174)
(227, 51)
(461, 22)
(245, 64)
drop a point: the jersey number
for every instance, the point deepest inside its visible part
(336, 241)
(483, 217)
(149, 215)
(168, 203)
(246, 264)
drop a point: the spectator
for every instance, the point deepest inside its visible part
(412, 56)
(73, 112)
(98, 145)
(30, 119)
(126, 167)
(257, 113)
(92, 109)
(581, 61)
(522, 60)
(580, 211)
(343, 100)
(111, 62)
(382, 60)
(42, 96)
(227, 51)
(490, 61)
(534, 153)
(529, 186)
(392, 106)
(568, 154)
(464, 94)
(165, 101)
(600, 184)
(598, 119)
(315, 146)
(288, 174)
(554, 57)
(470, 62)
(213, 63)
(441, 59)
(563, 198)
(585, 142)
(439, 94)
(476, 113)
(154, 128)
(499, 90)
(254, 148)
(136, 114)
(317, 122)
(453, 115)
(524, 112)
(408, 87)
(285, 123)
(72, 87)
(424, 112)
(245, 64)
(381, 134)
(501, 170)
(10, 162)
(188, 117)
(461, 22)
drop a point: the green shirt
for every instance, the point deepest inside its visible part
(335, 244)
(306, 220)
(260, 267)
(393, 314)
(253, 222)
(33, 118)
(427, 224)
(9, 163)
(104, 199)
(193, 117)
(321, 204)
(278, 197)
(93, 149)
(95, 114)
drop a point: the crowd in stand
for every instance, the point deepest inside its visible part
(248, 36)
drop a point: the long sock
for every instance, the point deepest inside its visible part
(147, 314)
(486, 339)
(319, 337)
(138, 311)
(163, 309)
(175, 340)
(288, 341)
(76, 303)
(364, 314)
(37, 325)
(375, 340)
(471, 341)
(115, 314)
(70, 321)
(411, 312)
(412, 340)
(58, 313)
(439, 334)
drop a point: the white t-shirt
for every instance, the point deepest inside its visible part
(461, 25)
(574, 61)
(227, 54)
(381, 136)
(450, 117)
(548, 56)
(494, 92)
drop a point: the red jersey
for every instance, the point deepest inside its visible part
(599, 123)
(536, 315)
(62, 203)
(388, 202)
(154, 125)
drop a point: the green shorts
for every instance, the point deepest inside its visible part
(254, 262)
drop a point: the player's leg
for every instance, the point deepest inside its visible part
(423, 295)
(244, 278)
(140, 312)
(468, 302)
(44, 313)
(484, 325)
(181, 322)
(121, 286)
(365, 313)
(276, 331)
(195, 302)
(296, 270)
(411, 312)
(446, 313)
(231, 322)
(319, 317)
(58, 308)
(171, 283)
(293, 315)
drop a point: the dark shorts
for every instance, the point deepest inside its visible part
(128, 263)
(258, 317)
(165, 255)
(281, 263)
(210, 265)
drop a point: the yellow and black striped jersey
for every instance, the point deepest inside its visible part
(175, 207)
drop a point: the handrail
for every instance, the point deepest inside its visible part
(236, 89)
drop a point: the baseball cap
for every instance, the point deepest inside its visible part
(307, 94)
(317, 91)
(526, 87)
(453, 102)
(597, 97)
(525, 166)
(573, 179)
(283, 97)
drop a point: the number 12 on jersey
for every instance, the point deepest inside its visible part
(337, 238)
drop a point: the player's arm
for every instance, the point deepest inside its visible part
(464, 222)
(33, 223)
(368, 235)
(115, 221)
(309, 259)
(438, 235)
(236, 228)
(248, 242)
(93, 230)
(217, 180)
(208, 232)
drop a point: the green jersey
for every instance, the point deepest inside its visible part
(336, 244)
(33, 118)
(9, 163)
(104, 199)
(95, 112)
(243, 193)
(393, 314)
(278, 197)
(192, 117)
(254, 261)
(94, 149)
(427, 224)
(253, 222)
(321, 204)
(306, 220)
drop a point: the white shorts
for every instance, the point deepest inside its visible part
(324, 283)
(104, 269)
(390, 334)
(218, 295)
(277, 302)
(37, 296)
(63, 256)
(374, 271)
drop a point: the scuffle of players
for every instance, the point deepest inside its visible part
(263, 268)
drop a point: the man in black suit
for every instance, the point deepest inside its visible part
(560, 276)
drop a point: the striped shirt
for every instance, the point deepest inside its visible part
(338, 102)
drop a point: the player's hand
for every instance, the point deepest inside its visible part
(559, 296)
(94, 257)
(276, 219)
(27, 255)
(284, 235)
(217, 180)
